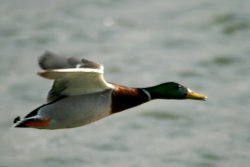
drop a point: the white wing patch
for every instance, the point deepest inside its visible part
(72, 76)
(67, 72)
(76, 81)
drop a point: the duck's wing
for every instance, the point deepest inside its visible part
(72, 76)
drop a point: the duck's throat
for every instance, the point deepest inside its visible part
(124, 98)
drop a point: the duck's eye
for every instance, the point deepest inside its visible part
(179, 87)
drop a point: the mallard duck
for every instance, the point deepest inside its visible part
(80, 95)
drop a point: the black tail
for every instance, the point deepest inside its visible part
(20, 124)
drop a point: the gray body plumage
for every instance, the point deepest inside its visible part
(75, 111)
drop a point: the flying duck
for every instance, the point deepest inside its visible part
(80, 95)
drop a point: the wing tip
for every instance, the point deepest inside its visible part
(44, 58)
(49, 61)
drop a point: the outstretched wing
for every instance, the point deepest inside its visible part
(72, 76)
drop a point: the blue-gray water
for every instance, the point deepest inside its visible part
(202, 44)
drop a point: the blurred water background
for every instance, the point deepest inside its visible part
(202, 44)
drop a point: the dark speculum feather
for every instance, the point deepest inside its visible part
(89, 64)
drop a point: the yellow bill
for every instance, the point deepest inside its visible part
(195, 96)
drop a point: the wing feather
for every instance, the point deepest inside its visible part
(72, 76)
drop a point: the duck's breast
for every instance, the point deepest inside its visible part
(74, 111)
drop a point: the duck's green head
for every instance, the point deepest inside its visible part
(172, 90)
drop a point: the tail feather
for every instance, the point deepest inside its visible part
(32, 122)
(17, 119)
